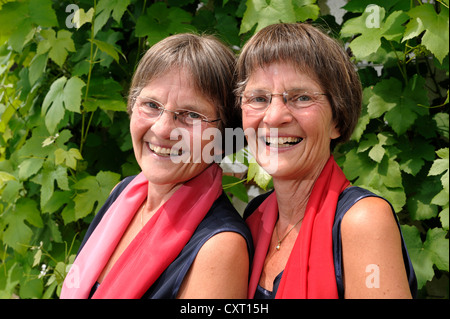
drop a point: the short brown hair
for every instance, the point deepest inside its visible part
(311, 51)
(210, 63)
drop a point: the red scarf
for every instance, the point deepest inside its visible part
(309, 272)
(152, 250)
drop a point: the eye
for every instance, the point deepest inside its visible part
(152, 105)
(256, 97)
(259, 99)
(193, 116)
(302, 97)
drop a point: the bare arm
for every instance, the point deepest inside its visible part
(372, 254)
(220, 270)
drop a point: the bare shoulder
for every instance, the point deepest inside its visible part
(220, 269)
(371, 216)
(372, 252)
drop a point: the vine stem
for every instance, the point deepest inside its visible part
(84, 131)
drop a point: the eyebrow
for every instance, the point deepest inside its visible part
(188, 107)
(309, 90)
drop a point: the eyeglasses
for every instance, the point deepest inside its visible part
(259, 100)
(150, 109)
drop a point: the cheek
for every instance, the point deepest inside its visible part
(137, 128)
(251, 121)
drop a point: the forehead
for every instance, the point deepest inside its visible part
(281, 75)
(176, 89)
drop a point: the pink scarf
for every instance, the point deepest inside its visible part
(309, 272)
(152, 250)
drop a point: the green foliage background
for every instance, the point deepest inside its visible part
(65, 140)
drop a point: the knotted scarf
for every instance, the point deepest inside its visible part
(152, 250)
(309, 272)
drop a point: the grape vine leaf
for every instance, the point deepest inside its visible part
(263, 13)
(58, 45)
(258, 174)
(47, 178)
(96, 190)
(159, 22)
(371, 27)
(81, 17)
(18, 234)
(63, 94)
(105, 93)
(19, 19)
(400, 105)
(107, 9)
(69, 157)
(434, 251)
(435, 25)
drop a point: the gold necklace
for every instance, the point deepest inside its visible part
(280, 240)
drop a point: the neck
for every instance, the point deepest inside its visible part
(157, 195)
(292, 197)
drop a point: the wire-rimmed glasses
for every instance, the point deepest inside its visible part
(151, 109)
(259, 100)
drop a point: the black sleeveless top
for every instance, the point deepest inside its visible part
(222, 217)
(346, 200)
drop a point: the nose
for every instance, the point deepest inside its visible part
(277, 112)
(164, 125)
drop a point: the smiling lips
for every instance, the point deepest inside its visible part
(164, 151)
(276, 142)
(280, 142)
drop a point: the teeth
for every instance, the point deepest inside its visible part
(281, 141)
(163, 151)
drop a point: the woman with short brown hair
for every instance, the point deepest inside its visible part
(315, 236)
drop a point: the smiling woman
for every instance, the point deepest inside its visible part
(298, 81)
(171, 232)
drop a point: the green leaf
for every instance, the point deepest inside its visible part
(97, 190)
(371, 27)
(108, 49)
(18, 21)
(400, 105)
(4, 177)
(47, 178)
(442, 123)
(235, 186)
(419, 205)
(18, 235)
(29, 167)
(377, 152)
(58, 45)
(9, 278)
(436, 26)
(82, 17)
(420, 257)
(53, 101)
(263, 13)
(438, 246)
(159, 22)
(42, 13)
(383, 179)
(414, 153)
(107, 9)
(31, 288)
(37, 67)
(62, 95)
(69, 157)
(56, 201)
(72, 94)
(105, 94)
(258, 175)
(383, 97)
(305, 10)
(440, 165)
